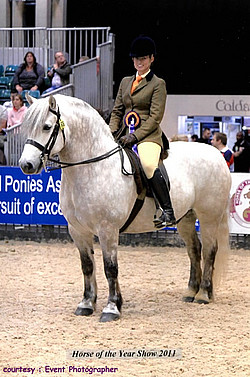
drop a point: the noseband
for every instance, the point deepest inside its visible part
(51, 142)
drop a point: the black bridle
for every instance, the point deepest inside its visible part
(46, 150)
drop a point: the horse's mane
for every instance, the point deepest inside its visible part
(80, 112)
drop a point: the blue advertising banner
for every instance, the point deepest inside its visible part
(30, 199)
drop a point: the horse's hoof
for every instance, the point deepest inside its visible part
(201, 301)
(110, 313)
(109, 317)
(188, 299)
(201, 297)
(84, 311)
(189, 295)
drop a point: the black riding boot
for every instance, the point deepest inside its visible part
(160, 190)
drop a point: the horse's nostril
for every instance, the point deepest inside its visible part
(29, 166)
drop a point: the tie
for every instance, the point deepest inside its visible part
(135, 83)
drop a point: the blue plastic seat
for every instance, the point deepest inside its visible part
(1, 70)
(32, 93)
(4, 95)
(5, 82)
(10, 69)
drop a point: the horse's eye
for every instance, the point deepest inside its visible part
(46, 127)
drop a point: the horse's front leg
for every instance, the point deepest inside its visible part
(109, 242)
(84, 243)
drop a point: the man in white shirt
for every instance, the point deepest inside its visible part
(59, 73)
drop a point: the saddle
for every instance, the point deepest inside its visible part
(142, 185)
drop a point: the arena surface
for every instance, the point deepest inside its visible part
(41, 285)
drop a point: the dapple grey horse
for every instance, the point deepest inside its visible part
(96, 197)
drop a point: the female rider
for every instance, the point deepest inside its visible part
(136, 117)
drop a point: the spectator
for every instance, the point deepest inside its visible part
(59, 73)
(179, 137)
(16, 115)
(241, 151)
(205, 136)
(194, 137)
(83, 59)
(9, 104)
(29, 75)
(3, 121)
(220, 142)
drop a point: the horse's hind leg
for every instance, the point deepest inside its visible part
(84, 243)
(186, 228)
(209, 250)
(109, 241)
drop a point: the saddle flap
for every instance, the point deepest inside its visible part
(139, 175)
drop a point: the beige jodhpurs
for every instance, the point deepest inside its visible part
(149, 154)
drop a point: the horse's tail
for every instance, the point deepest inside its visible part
(221, 260)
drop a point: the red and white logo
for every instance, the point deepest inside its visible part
(240, 204)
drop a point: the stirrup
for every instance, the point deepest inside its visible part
(165, 219)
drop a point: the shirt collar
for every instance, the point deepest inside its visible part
(144, 75)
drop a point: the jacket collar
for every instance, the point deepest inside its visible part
(143, 82)
(148, 77)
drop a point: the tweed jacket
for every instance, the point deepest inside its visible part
(148, 100)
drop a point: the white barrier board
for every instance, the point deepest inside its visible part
(240, 204)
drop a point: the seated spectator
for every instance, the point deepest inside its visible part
(3, 121)
(29, 75)
(194, 137)
(220, 142)
(9, 104)
(59, 73)
(206, 133)
(16, 115)
(83, 58)
(241, 151)
(179, 137)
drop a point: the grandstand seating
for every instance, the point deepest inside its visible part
(10, 69)
(4, 95)
(1, 70)
(47, 83)
(5, 82)
(32, 93)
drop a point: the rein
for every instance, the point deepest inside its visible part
(85, 162)
(51, 142)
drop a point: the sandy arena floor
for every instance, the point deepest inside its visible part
(41, 285)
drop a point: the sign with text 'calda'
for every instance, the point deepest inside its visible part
(30, 199)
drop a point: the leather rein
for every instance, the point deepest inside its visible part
(46, 150)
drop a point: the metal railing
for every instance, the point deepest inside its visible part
(13, 147)
(91, 80)
(44, 42)
(67, 90)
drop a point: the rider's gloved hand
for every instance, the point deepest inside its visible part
(128, 140)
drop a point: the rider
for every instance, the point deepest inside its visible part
(142, 98)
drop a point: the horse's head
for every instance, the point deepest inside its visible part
(45, 133)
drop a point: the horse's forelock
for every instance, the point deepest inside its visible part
(35, 117)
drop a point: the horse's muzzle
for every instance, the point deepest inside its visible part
(29, 167)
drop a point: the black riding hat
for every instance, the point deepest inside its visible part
(142, 46)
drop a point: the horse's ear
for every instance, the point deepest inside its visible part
(30, 99)
(52, 102)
